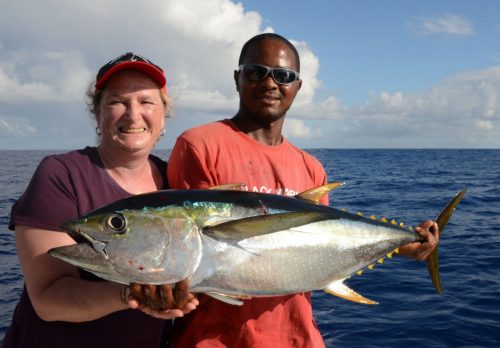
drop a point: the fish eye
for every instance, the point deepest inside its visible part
(117, 222)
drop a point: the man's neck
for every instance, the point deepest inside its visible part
(265, 133)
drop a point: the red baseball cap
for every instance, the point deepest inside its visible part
(132, 61)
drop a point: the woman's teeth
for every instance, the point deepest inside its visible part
(132, 130)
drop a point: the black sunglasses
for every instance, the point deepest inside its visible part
(258, 72)
(126, 57)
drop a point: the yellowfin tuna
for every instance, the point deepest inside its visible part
(234, 245)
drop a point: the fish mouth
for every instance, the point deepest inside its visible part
(83, 256)
(76, 233)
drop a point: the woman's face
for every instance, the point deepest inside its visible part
(131, 113)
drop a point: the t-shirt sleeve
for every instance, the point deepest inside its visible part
(187, 168)
(49, 199)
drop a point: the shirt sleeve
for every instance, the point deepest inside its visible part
(49, 199)
(187, 167)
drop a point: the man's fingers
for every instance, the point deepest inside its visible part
(136, 290)
(151, 293)
(166, 298)
(147, 295)
(181, 293)
(435, 231)
(162, 297)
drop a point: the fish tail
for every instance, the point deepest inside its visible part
(442, 221)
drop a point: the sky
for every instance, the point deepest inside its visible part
(376, 74)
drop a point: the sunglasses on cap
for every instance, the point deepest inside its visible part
(258, 72)
(130, 60)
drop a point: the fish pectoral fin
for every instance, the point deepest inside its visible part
(339, 289)
(216, 221)
(314, 195)
(236, 230)
(230, 299)
(235, 187)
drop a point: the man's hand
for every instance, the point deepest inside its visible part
(421, 250)
(162, 301)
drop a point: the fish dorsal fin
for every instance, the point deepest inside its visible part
(235, 187)
(230, 299)
(339, 289)
(442, 221)
(314, 195)
(236, 230)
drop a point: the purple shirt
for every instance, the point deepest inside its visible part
(62, 188)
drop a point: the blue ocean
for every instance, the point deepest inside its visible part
(407, 185)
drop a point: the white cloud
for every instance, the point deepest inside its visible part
(486, 125)
(445, 24)
(331, 109)
(49, 52)
(32, 76)
(309, 67)
(17, 126)
(210, 102)
(212, 20)
(467, 102)
(295, 128)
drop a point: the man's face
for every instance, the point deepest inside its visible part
(266, 101)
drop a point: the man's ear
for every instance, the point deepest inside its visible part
(300, 84)
(236, 76)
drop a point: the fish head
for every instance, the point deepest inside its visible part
(146, 246)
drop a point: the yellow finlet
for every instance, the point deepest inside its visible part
(393, 222)
(381, 261)
(359, 272)
(396, 250)
(389, 255)
(359, 213)
(370, 267)
(373, 217)
(383, 219)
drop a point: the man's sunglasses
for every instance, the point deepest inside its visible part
(258, 72)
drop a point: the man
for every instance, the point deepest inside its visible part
(250, 149)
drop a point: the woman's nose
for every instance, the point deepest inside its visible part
(133, 111)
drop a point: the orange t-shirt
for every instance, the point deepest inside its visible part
(218, 153)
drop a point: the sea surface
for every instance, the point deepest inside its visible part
(407, 185)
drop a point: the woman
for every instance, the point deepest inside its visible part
(61, 305)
